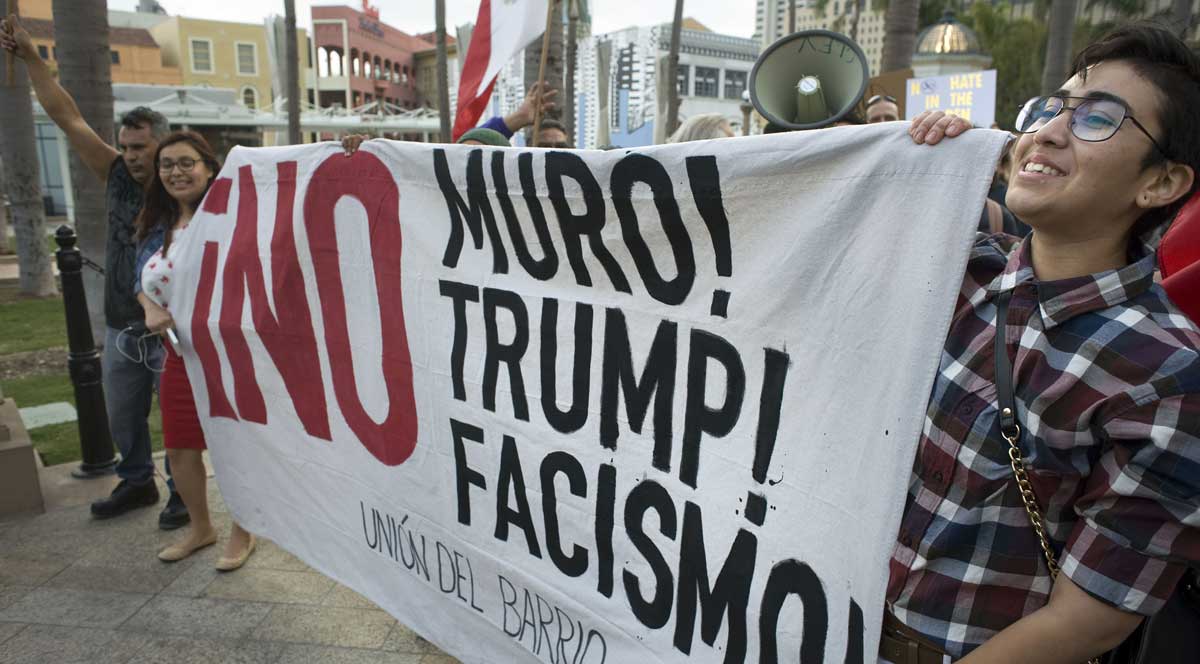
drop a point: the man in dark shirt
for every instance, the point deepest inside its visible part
(129, 362)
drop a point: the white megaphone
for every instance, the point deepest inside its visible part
(808, 79)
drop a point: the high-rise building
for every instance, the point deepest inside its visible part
(713, 72)
(838, 16)
(770, 19)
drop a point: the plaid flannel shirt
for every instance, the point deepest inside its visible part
(1107, 380)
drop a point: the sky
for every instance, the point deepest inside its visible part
(733, 17)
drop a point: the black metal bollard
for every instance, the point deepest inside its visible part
(83, 361)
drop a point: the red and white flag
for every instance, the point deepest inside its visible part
(502, 29)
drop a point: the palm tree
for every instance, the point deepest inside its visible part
(442, 74)
(4, 250)
(1059, 34)
(292, 71)
(22, 184)
(84, 70)
(899, 34)
(672, 119)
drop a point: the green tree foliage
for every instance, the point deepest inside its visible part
(1018, 50)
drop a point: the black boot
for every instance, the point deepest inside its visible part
(175, 514)
(124, 498)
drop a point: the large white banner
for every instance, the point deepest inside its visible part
(654, 405)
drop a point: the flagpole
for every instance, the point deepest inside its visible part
(444, 128)
(541, 78)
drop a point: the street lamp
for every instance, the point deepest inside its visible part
(746, 107)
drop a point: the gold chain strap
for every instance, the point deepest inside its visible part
(1025, 487)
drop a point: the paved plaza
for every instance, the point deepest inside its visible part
(77, 590)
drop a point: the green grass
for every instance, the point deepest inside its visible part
(30, 323)
(59, 443)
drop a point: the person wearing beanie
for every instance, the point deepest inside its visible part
(484, 136)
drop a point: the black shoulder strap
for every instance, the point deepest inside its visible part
(1004, 386)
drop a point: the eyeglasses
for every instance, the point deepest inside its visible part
(1092, 119)
(562, 145)
(878, 98)
(185, 164)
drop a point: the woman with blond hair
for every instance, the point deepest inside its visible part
(701, 128)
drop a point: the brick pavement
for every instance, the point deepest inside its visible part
(77, 590)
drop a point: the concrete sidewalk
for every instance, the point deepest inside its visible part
(77, 590)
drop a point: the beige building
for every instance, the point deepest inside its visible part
(838, 16)
(221, 54)
(135, 56)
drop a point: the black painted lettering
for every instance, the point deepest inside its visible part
(792, 577)
(508, 353)
(459, 294)
(699, 418)
(512, 481)
(641, 168)
(574, 227)
(657, 380)
(650, 495)
(471, 211)
(544, 268)
(556, 463)
(465, 476)
(705, 180)
(606, 499)
(446, 571)
(508, 597)
(729, 595)
(574, 417)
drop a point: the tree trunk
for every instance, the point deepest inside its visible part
(1181, 18)
(899, 34)
(569, 82)
(672, 119)
(1059, 33)
(791, 17)
(854, 20)
(4, 250)
(85, 71)
(443, 76)
(22, 184)
(293, 72)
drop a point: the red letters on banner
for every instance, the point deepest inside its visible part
(288, 334)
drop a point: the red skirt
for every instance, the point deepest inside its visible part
(181, 424)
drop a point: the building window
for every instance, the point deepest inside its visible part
(681, 79)
(202, 56)
(250, 97)
(706, 81)
(116, 57)
(43, 51)
(735, 84)
(247, 59)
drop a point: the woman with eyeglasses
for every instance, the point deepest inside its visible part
(185, 168)
(1054, 501)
